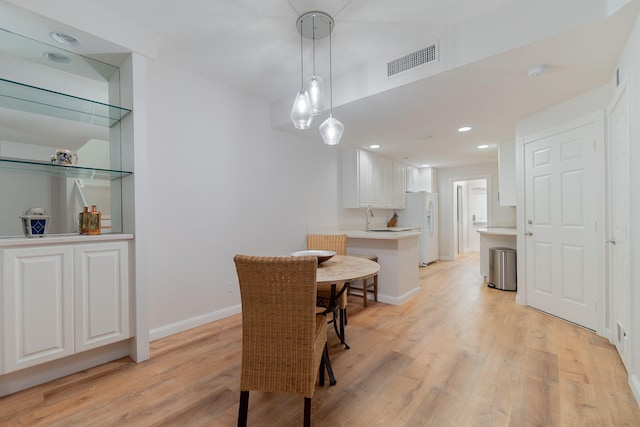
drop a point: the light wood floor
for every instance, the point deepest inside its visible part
(458, 354)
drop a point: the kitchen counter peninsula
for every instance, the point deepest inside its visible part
(398, 254)
(490, 237)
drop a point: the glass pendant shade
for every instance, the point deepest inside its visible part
(315, 88)
(331, 131)
(302, 113)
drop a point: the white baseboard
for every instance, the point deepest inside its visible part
(39, 374)
(398, 300)
(634, 383)
(183, 325)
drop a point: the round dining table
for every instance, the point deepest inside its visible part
(333, 277)
(341, 269)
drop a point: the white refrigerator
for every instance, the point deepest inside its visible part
(422, 211)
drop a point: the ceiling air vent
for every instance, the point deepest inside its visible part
(419, 57)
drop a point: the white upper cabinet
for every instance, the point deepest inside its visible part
(399, 185)
(372, 181)
(385, 182)
(413, 178)
(507, 173)
(359, 179)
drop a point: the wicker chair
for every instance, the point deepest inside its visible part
(284, 340)
(338, 244)
(364, 287)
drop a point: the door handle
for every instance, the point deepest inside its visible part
(529, 233)
(613, 242)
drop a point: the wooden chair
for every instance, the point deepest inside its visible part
(338, 244)
(284, 340)
(364, 287)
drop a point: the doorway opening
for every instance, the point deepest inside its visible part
(470, 212)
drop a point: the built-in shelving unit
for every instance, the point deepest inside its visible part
(19, 96)
(61, 170)
(69, 103)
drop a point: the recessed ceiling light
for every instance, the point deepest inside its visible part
(536, 70)
(482, 147)
(464, 129)
(374, 146)
(425, 166)
(57, 57)
(64, 38)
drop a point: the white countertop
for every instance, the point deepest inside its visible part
(381, 235)
(503, 231)
(62, 238)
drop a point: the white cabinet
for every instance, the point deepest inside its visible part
(61, 300)
(37, 305)
(413, 178)
(359, 179)
(101, 294)
(507, 173)
(369, 180)
(399, 185)
(385, 182)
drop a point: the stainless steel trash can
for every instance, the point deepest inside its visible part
(502, 269)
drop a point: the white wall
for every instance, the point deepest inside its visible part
(497, 215)
(630, 70)
(222, 182)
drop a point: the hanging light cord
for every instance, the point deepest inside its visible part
(301, 61)
(313, 22)
(330, 75)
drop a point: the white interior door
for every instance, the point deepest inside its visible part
(562, 197)
(618, 225)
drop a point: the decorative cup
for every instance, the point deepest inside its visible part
(65, 157)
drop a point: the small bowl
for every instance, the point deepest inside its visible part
(322, 255)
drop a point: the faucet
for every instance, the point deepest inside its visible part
(368, 216)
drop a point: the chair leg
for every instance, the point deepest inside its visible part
(375, 288)
(321, 370)
(342, 316)
(307, 412)
(244, 408)
(365, 291)
(327, 364)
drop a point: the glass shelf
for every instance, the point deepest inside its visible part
(61, 170)
(19, 96)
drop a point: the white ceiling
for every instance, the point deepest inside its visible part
(253, 45)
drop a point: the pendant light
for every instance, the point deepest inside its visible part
(314, 84)
(331, 129)
(310, 101)
(302, 112)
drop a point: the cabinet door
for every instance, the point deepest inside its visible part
(37, 305)
(412, 178)
(101, 294)
(368, 179)
(399, 185)
(385, 182)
